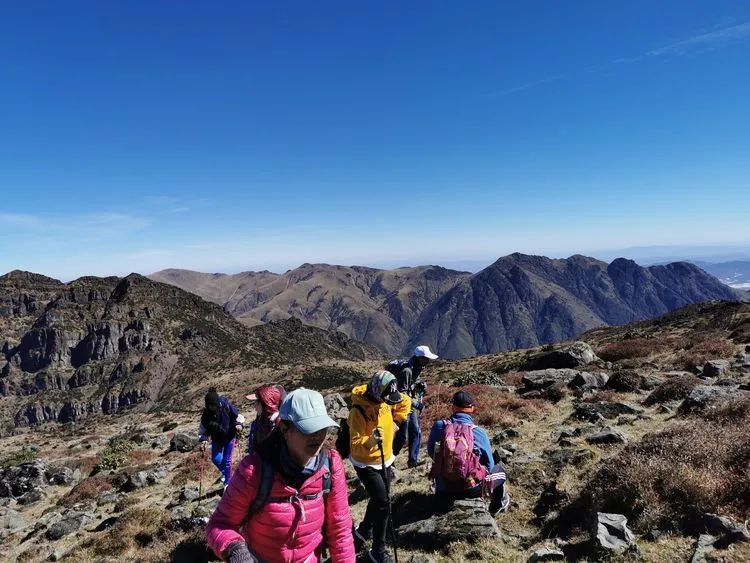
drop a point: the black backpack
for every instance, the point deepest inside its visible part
(343, 443)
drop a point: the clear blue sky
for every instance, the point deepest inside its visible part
(223, 136)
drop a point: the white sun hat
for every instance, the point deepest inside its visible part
(425, 352)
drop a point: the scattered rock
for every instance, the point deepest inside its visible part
(540, 379)
(715, 368)
(10, 521)
(546, 554)
(608, 435)
(32, 496)
(585, 380)
(467, 520)
(725, 528)
(594, 412)
(570, 456)
(611, 533)
(627, 381)
(70, 523)
(189, 493)
(142, 479)
(21, 479)
(109, 497)
(62, 476)
(704, 396)
(336, 407)
(703, 548)
(421, 558)
(572, 356)
(183, 443)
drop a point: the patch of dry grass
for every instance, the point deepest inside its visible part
(88, 489)
(136, 529)
(699, 353)
(672, 477)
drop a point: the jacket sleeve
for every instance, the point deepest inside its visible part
(338, 523)
(401, 410)
(435, 435)
(223, 526)
(202, 433)
(482, 443)
(358, 435)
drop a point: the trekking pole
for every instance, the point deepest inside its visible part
(388, 496)
(202, 464)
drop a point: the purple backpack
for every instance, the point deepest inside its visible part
(456, 462)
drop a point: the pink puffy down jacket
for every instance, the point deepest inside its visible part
(285, 532)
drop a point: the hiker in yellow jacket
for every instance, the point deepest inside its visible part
(377, 410)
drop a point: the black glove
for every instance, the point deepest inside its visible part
(238, 552)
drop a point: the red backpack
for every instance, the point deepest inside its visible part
(456, 462)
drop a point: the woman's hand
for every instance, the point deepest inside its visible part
(376, 438)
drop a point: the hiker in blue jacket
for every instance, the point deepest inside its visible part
(221, 422)
(493, 483)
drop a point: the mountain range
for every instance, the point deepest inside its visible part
(103, 345)
(518, 301)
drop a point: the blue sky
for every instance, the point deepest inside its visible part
(245, 135)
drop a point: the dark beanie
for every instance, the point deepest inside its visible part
(463, 400)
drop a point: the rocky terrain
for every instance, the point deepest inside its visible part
(517, 302)
(630, 443)
(104, 345)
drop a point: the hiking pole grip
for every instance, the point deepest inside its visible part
(388, 496)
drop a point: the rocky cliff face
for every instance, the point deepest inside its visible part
(99, 345)
(523, 301)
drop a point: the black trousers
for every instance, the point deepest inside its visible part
(376, 515)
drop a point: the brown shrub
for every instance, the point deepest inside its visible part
(705, 350)
(626, 381)
(494, 407)
(88, 489)
(513, 378)
(631, 348)
(189, 469)
(141, 457)
(673, 389)
(671, 478)
(84, 464)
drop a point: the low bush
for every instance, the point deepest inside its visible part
(88, 489)
(627, 349)
(24, 455)
(671, 478)
(115, 455)
(494, 407)
(699, 353)
(674, 389)
(626, 381)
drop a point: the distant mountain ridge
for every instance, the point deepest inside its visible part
(519, 301)
(735, 273)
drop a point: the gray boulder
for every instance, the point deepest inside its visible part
(594, 412)
(703, 549)
(546, 554)
(725, 528)
(611, 533)
(608, 435)
(569, 456)
(63, 476)
(189, 493)
(585, 380)
(70, 523)
(541, 379)
(467, 520)
(715, 368)
(571, 356)
(705, 396)
(183, 443)
(109, 497)
(10, 521)
(145, 478)
(21, 479)
(336, 407)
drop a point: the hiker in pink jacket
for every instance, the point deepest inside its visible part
(289, 497)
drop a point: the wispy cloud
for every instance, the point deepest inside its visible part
(91, 224)
(695, 45)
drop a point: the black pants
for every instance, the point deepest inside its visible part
(376, 515)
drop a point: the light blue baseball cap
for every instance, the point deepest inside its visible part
(306, 409)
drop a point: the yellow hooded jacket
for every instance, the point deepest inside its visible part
(361, 428)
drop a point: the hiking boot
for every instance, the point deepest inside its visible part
(379, 557)
(500, 505)
(412, 464)
(360, 538)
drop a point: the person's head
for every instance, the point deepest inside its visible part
(304, 423)
(267, 398)
(383, 387)
(423, 355)
(463, 402)
(212, 399)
